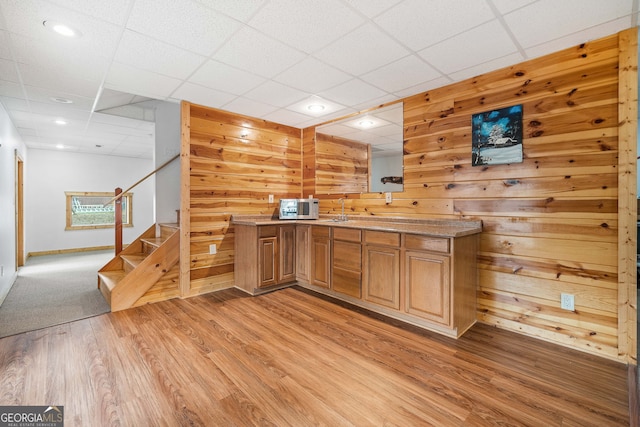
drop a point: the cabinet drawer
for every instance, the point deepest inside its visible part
(267, 231)
(416, 242)
(382, 238)
(348, 234)
(320, 231)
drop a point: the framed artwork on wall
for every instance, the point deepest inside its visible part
(496, 137)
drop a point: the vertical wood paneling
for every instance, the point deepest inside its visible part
(560, 221)
(234, 164)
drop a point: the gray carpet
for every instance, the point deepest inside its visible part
(54, 289)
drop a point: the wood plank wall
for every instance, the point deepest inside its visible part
(341, 165)
(551, 222)
(234, 164)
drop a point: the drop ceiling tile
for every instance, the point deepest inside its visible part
(114, 11)
(362, 50)
(202, 95)
(11, 89)
(252, 51)
(286, 117)
(185, 24)
(275, 93)
(488, 66)
(216, 75)
(5, 53)
(11, 104)
(240, 10)
(408, 71)
(8, 71)
(149, 54)
(419, 24)
(374, 102)
(312, 76)
(372, 8)
(44, 95)
(423, 87)
(249, 107)
(140, 82)
(62, 81)
(506, 6)
(481, 44)
(595, 32)
(307, 25)
(546, 20)
(353, 92)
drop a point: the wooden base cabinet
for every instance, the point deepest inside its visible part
(346, 262)
(265, 257)
(427, 286)
(321, 256)
(303, 253)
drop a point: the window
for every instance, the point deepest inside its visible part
(86, 210)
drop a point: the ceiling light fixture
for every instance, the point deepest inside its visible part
(62, 29)
(60, 147)
(367, 123)
(316, 108)
(60, 122)
(61, 100)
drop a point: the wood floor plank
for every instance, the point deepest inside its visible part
(294, 358)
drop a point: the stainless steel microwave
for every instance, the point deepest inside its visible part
(299, 208)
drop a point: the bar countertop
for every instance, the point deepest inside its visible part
(426, 227)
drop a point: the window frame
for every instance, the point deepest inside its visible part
(69, 195)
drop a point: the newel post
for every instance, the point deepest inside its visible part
(118, 220)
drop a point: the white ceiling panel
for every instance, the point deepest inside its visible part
(538, 22)
(312, 75)
(362, 51)
(149, 54)
(274, 93)
(186, 24)
(407, 71)
(251, 50)
(419, 24)
(203, 95)
(481, 44)
(240, 10)
(220, 76)
(353, 92)
(307, 25)
(262, 58)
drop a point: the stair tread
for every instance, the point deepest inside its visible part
(154, 241)
(111, 278)
(134, 259)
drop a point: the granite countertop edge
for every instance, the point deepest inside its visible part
(427, 226)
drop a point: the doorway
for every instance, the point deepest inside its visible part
(19, 211)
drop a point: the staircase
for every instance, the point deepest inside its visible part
(145, 271)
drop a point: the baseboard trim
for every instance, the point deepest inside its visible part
(69, 251)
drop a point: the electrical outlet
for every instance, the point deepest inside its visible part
(567, 302)
(213, 249)
(270, 198)
(388, 198)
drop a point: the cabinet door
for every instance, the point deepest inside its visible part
(346, 268)
(303, 253)
(321, 257)
(382, 276)
(267, 261)
(427, 285)
(287, 253)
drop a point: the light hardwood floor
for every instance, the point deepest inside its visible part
(291, 358)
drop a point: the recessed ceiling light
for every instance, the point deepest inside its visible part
(367, 123)
(60, 147)
(315, 108)
(60, 122)
(98, 145)
(62, 29)
(61, 100)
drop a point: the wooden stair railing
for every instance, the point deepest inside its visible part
(137, 268)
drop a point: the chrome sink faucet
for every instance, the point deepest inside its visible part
(342, 217)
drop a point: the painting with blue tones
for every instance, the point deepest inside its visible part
(497, 137)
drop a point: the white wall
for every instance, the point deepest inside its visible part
(167, 146)
(386, 166)
(10, 143)
(50, 173)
